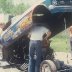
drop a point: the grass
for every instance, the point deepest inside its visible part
(60, 43)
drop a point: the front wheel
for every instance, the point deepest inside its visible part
(47, 66)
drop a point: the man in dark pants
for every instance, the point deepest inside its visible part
(70, 35)
(35, 47)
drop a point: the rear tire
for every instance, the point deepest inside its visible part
(48, 66)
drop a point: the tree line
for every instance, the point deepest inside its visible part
(6, 6)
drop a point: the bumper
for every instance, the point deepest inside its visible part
(55, 9)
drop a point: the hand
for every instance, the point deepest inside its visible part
(29, 35)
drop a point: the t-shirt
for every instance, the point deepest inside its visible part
(38, 32)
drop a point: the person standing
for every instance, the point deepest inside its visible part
(70, 35)
(35, 46)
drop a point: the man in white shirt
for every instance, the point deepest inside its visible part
(35, 47)
(70, 35)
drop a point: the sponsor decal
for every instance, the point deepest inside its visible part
(8, 35)
(26, 22)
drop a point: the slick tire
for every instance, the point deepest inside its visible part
(48, 66)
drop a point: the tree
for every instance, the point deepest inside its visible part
(19, 9)
(6, 6)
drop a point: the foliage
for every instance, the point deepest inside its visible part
(60, 43)
(19, 9)
(6, 6)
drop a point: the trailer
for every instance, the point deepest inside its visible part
(15, 41)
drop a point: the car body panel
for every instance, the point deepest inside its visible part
(25, 21)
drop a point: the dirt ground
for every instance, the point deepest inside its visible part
(62, 56)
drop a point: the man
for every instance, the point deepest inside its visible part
(70, 35)
(35, 46)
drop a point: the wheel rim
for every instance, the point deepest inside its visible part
(46, 68)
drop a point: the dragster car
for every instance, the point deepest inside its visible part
(57, 14)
